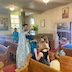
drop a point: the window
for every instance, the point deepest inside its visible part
(32, 21)
(15, 22)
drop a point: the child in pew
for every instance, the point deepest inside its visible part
(60, 52)
(55, 63)
(41, 53)
(45, 38)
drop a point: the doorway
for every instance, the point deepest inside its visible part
(64, 31)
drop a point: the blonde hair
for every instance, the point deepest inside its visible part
(43, 45)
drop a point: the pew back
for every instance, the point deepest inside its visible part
(25, 68)
(66, 63)
(35, 66)
(4, 54)
(13, 46)
(67, 50)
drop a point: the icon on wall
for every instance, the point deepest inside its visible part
(42, 22)
(3, 23)
(65, 12)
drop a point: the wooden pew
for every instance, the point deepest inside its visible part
(1, 66)
(35, 66)
(66, 63)
(67, 50)
(25, 68)
(13, 46)
(4, 54)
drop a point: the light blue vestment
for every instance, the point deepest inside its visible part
(22, 50)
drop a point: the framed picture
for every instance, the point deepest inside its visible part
(3, 23)
(42, 22)
(65, 12)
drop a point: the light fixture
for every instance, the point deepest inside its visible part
(46, 1)
(12, 8)
(60, 24)
(22, 10)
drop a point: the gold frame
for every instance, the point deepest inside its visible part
(65, 12)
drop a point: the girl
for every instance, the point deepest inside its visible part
(44, 38)
(42, 53)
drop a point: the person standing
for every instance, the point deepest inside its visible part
(15, 35)
(24, 47)
(32, 41)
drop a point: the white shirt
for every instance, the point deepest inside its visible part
(55, 64)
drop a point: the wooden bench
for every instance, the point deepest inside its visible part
(66, 63)
(1, 66)
(13, 46)
(67, 51)
(35, 66)
(12, 68)
(31, 66)
(4, 54)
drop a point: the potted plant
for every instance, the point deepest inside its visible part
(35, 28)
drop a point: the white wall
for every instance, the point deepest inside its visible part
(52, 17)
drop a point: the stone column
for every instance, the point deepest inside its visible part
(23, 17)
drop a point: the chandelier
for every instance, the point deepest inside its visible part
(12, 8)
(46, 1)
